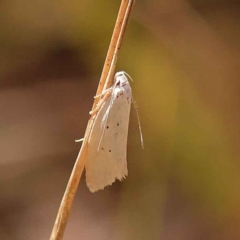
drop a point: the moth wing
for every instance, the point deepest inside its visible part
(107, 146)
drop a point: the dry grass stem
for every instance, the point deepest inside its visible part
(105, 82)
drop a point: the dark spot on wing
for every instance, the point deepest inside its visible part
(117, 124)
(102, 148)
(107, 127)
(110, 150)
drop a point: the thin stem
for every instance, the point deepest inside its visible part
(115, 45)
(105, 81)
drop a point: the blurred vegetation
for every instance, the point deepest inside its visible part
(183, 57)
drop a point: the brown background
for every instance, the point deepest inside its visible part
(184, 59)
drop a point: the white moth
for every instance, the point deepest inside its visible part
(107, 142)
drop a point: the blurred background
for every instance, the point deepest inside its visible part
(184, 59)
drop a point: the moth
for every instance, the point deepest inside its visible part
(107, 141)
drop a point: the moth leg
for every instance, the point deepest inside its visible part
(79, 140)
(106, 95)
(103, 93)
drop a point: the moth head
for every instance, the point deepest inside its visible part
(121, 78)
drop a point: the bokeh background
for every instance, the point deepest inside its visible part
(184, 59)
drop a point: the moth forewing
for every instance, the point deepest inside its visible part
(107, 143)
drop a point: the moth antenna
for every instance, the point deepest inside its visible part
(97, 112)
(104, 127)
(139, 124)
(128, 76)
